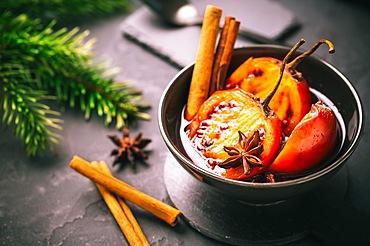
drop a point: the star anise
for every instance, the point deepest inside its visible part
(247, 155)
(129, 150)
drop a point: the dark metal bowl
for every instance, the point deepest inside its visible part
(320, 76)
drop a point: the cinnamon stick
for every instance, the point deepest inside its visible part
(117, 212)
(131, 218)
(121, 211)
(232, 34)
(160, 209)
(218, 55)
(202, 71)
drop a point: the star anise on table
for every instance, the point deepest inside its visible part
(247, 154)
(129, 150)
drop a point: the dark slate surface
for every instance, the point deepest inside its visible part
(179, 45)
(44, 202)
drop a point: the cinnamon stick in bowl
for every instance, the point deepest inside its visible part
(202, 72)
(218, 54)
(232, 34)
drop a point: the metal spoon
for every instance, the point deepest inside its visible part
(183, 13)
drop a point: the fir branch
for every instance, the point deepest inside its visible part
(111, 100)
(22, 107)
(59, 62)
(75, 10)
(64, 57)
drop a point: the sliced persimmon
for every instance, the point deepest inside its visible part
(311, 142)
(218, 122)
(292, 99)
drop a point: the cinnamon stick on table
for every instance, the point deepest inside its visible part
(201, 77)
(120, 211)
(160, 209)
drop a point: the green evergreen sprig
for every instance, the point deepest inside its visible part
(23, 107)
(39, 64)
(73, 10)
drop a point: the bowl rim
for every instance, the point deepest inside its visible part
(300, 180)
